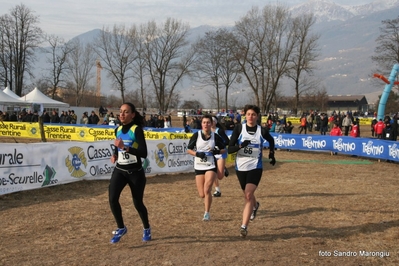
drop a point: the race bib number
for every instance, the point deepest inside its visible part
(207, 161)
(126, 158)
(249, 151)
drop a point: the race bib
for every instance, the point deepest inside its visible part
(249, 151)
(126, 158)
(207, 161)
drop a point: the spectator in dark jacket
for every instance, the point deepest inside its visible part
(93, 118)
(288, 127)
(35, 117)
(27, 117)
(45, 116)
(14, 117)
(323, 124)
(55, 119)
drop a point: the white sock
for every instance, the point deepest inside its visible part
(217, 189)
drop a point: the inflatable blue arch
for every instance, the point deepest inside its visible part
(386, 92)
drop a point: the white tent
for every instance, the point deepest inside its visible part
(6, 99)
(10, 93)
(38, 97)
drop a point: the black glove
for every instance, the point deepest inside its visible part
(271, 156)
(200, 154)
(245, 143)
(216, 151)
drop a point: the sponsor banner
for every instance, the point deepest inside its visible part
(364, 147)
(365, 120)
(19, 129)
(79, 132)
(165, 133)
(294, 120)
(65, 132)
(32, 166)
(169, 156)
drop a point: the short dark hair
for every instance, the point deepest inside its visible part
(255, 108)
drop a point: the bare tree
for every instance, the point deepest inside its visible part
(57, 58)
(139, 66)
(116, 48)
(190, 104)
(387, 50)
(167, 58)
(266, 43)
(20, 36)
(216, 62)
(80, 63)
(316, 99)
(5, 52)
(304, 55)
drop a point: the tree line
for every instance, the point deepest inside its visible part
(265, 47)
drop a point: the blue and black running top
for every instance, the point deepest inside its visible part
(250, 157)
(132, 137)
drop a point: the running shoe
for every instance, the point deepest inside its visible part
(207, 217)
(217, 194)
(146, 235)
(118, 233)
(226, 172)
(253, 215)
(243, 231)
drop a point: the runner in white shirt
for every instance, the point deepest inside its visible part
(247, 140)
(204, 145)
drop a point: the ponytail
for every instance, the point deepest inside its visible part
(138, 118)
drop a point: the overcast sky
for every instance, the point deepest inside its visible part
(69, 18)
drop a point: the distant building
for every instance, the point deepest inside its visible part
(354, 103)
(348, 103)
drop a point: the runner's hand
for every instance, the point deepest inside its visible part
(200, 154)
(216, 151)
(245, 143)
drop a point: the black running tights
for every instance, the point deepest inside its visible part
(136, 181)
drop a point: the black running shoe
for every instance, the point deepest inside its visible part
(253, 215)
(217, 194)
(243, 231)
(226, 172)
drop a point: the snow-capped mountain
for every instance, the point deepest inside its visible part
(373, 7)
(326, 11)
(323, 10)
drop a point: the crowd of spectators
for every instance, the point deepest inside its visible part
(66, 117)
(347, 122)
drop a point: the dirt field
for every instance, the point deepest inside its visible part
(314, 207)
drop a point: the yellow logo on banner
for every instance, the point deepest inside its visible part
(161, 155)
(82, 134)
(33, 130)
(78, 158)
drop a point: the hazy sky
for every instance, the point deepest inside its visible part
(69, 18)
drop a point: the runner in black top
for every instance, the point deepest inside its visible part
(220, 159)
(130, 147)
